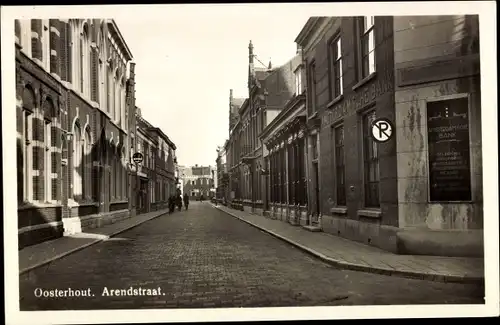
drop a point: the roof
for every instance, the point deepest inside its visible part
(113, 27)
(309, 26)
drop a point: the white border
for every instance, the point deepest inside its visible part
(487, 24)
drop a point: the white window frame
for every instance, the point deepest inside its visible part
(47, 155)
(338, 58)
(77, 155)
(369, 29)
(28, 155)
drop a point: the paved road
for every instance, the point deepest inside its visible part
(206, 258)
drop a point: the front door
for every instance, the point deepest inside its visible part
(316, 190)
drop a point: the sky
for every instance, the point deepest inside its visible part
(187, 61)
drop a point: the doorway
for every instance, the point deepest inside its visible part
(316, 191)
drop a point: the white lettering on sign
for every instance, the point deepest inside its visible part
(382, 130)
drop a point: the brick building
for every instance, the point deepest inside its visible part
(400, 195)
(269, 89)
(157, 172)
(75, 108)
(285, 156)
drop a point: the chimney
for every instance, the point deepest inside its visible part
(270, 66)
(230, 96)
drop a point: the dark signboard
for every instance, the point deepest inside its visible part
(449, 150)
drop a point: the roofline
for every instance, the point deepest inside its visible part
(128, 53)
(309, 25)
(240, 110)
(163, 136)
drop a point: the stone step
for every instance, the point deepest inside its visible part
(313, 228)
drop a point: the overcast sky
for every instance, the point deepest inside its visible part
(187, 60)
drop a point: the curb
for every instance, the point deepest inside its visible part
(74, 250)
(364, 268)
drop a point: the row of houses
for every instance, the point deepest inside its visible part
(302, 146)
(77, 129)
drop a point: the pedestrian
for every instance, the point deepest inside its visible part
(178, 200)
(186, 201)
(171, 204)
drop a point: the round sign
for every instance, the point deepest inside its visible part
(382, 130)
(137, 157)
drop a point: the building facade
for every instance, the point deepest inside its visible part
(419, 191)
(74, 89)
(285, 140)
(199, 181)
(269, 89)
(156, 174)
(222, 177)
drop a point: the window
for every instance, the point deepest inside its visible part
(312, 88)
(367, 37)
(87, 168)
(371, 163)
(47, 153)
(27, 137)
(77, 163)
(84, 61)
(26, 36)
(340, 165)
(45, 40)
(298, 81)
(336, 82)
(102, 75)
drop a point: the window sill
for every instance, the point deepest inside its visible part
(335, 101)
(370, 213)
(364, 81)
(339, 210)
(37, 205)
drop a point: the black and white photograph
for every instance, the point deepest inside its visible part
(212, 162)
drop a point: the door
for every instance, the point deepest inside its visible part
(316, 189)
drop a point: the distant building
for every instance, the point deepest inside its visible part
(157, 172)
(198, 181)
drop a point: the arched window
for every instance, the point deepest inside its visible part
(117, 104)
(85, 61)
(77, 162)
(110, 89)
(102, 73)
(87, 168)
(29, 108)
(123, 106)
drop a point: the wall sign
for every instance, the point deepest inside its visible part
(449, 150)
(382, 130)
(360, 98)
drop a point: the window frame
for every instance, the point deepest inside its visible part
(364, 32)
(339, 161)
(335, 67)
(369, 159)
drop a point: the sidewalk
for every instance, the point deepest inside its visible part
(34, 256)
(357, 256)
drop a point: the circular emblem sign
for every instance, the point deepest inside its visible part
(137, 157)
(382, 130)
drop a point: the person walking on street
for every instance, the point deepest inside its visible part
(171, 204)
(178, 200)
(186, 201)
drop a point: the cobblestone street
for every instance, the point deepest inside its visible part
(205, 258)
